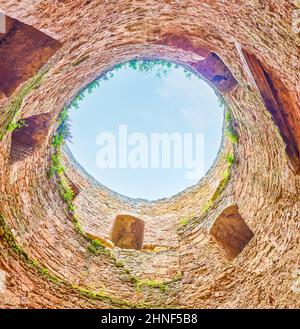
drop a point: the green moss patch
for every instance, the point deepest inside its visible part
(13, 108)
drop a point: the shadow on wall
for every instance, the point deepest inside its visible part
(23, 51)
(30, 137)
(281, 104)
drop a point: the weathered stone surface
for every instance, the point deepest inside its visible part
(2, 281)
(216, 72)
(30, 137)
(6, 25)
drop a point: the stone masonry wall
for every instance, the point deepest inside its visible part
(46, 261)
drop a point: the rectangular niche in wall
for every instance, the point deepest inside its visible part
(231, 232)
(282, 105)
(128, 232)
(6, 24)
(23, 51)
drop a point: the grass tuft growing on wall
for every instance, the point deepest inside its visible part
(231, 135)
(95, 246)
(13, 108)
(183, 221)
(152, 284)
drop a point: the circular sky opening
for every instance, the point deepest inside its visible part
(146, 129)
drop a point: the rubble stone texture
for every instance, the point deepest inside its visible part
(46, 261)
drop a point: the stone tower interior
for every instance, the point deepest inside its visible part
(239, 246)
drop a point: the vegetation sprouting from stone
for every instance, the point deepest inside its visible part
(103, 296)
(16, 125)
(12, 242)
(160, 67)
(95, 247)
(8, 236)
(183, 221)
(230, 158)
(57, 169)
(62, 133)
(11, 111)
(153, 284)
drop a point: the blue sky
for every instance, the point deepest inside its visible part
(146, 104)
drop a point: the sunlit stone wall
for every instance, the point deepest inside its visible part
(53, 257)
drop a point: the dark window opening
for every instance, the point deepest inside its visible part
(30, 137)
(281, 104)
(231, 232)
(23, 51)
(128, 232)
